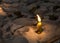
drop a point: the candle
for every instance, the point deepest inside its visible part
(39, 24)
(38, 21)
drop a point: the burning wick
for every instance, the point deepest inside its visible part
(39, 24)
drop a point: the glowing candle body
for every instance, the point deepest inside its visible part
(38, 25)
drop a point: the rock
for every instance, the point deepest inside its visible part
(20, 40)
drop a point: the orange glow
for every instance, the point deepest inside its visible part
(0, 9)
(39, 21)
(2, 12)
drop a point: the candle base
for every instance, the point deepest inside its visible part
(39, 30)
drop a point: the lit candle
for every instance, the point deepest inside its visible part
(38, 21)
(39, 24)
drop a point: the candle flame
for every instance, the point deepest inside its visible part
(38, 18)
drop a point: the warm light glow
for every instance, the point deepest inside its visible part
(39, 21)
(2, 12)
(0, 9)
